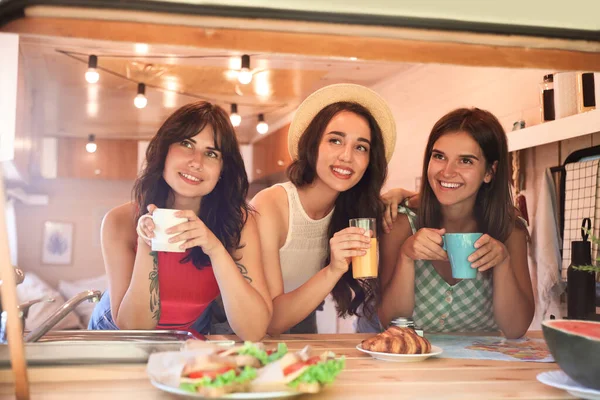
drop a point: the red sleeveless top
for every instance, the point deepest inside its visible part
(185, 291)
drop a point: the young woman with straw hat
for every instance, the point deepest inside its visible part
(341, 139)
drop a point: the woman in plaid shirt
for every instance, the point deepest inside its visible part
(465, 188)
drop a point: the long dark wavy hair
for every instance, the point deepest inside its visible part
(224, 210)
(494, 210)
(361, 201)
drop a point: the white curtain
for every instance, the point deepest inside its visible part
(11, 227)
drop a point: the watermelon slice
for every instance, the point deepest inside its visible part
(575, 345)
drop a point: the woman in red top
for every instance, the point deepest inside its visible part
(193, 165)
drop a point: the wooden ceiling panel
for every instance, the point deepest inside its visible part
(174, 75)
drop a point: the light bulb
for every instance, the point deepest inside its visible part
(262, 126)
(236, 120)
(140, 101)
(91, 147)
(91, 75)
(245, 76)
(234, 117)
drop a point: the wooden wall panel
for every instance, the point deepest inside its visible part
(269, 152)
(282, 157)
(114, 159)
(259, 153)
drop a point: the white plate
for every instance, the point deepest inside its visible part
(240, 396)
(559, 379)
(435, 351)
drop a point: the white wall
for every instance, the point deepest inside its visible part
(420, 96)
(82, 202)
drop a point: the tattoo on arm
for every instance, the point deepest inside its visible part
(154, 295)
(244, 272)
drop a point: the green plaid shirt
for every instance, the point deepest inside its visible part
(441, 307)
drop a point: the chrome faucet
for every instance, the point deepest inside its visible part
(23, 312)
(58, 315)
(24, 307)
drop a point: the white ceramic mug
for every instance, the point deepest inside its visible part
(164, 219)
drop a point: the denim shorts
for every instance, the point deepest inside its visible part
(102, 318)
(367, 322)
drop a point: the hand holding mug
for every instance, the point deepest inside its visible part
(152, 228)
(145, 226)
(193, 233)
(426, 244)
(490, 253)
(345, 244)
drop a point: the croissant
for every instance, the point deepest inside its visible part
(398, 341)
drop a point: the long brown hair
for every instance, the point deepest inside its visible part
(224, 210)
(494, 210)
(361, 201)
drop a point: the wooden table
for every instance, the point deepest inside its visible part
(363, 378)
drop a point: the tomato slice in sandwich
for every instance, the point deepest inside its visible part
(300, 364)
(210, 374)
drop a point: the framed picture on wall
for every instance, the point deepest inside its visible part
(57, 243)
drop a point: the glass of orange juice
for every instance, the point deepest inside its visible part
(364, 267)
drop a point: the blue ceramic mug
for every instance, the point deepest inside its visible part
(459, 247)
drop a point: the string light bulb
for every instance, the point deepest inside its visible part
(245, 76)
(140, 100)
(92, 75)
(91, 146)
(262, 127)
(236, 119)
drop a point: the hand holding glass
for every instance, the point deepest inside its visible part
(364, 267)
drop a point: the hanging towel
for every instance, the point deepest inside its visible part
(546, 252)
(521, 204)
(582, 200)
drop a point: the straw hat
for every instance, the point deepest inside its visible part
(343, 92)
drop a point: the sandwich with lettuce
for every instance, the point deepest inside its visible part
(252, 367)
(259, 351)
(251, 354)
(214, 376)
(299, 371)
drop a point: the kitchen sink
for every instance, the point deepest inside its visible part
(101, 347)
(119, 336)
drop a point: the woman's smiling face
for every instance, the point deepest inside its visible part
(344, 151)
(457, 168)
(193, 166)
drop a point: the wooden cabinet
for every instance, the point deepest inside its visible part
(270, 155)
(113, 159)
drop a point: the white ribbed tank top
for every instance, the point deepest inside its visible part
(306, 245)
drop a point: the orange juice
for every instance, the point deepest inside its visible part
(366, 266)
